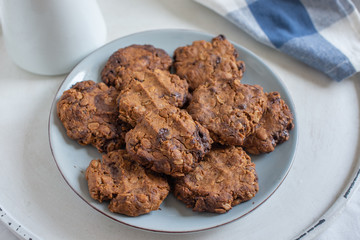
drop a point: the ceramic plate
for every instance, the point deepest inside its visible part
(73, 159)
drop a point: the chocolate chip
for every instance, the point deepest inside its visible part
(212, 90)
(242, 106)
(218, 60)
(241, 66)
(175, 94)
(221, 37)
(163, 134)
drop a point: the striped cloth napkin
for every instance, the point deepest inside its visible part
(325, 34)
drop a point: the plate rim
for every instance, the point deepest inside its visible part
(295, 132)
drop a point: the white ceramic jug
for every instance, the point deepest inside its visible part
(50, 37)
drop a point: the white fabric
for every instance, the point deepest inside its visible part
(348, 43)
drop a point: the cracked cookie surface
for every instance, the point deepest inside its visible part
(273, 128)
(225, 178)
(89, 113)
(131, 189)
(168, 142)
(122, 63)
(205, 61)
(151, 91)
(229, 109)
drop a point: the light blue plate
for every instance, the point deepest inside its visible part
(73, 159)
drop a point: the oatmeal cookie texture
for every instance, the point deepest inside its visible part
(131, 189)
(168, 142)
(154, 126)
(89, 113)
(273, 128)
(229, 109)
(224, 179)
(205, 61)
(151, 91)
(121, 64)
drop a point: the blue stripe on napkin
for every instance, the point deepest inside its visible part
(303, 29)
(281, 26)
(292, 31)
(318, 53)
(324, 13)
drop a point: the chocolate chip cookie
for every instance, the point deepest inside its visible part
(203, 61)
(151, 91)
(121, 64)
(168, 142)
(225, 178)
(229, 109)
(273, 128)
(131, 189)
(89, 113)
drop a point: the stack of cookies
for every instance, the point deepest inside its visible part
(184, 125)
